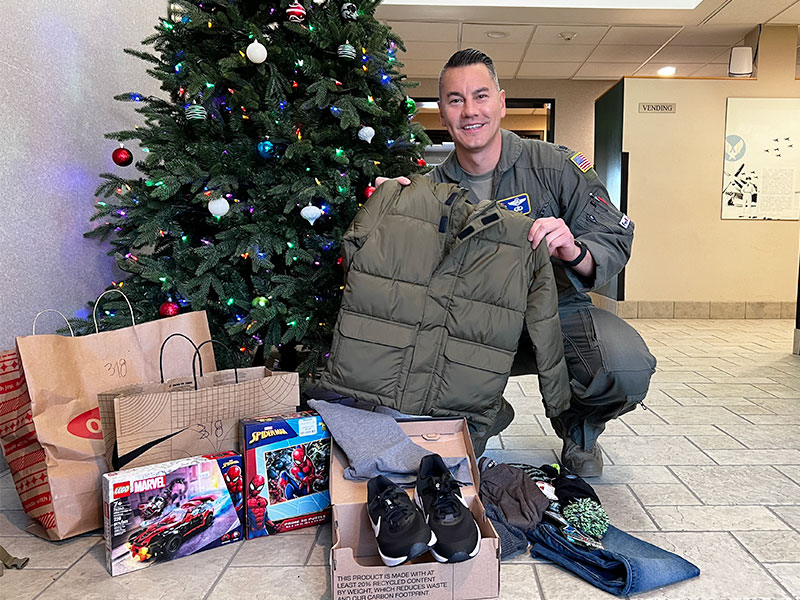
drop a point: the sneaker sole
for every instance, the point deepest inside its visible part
(416, 550)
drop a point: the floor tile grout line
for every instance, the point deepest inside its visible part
(702, 451)
(536, 578)
(65, 571)
(644, 508)
(224, 570)
(771, 508)
(760, 564)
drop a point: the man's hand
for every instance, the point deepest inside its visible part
(400, 180)
(559, 239)
(560, 243)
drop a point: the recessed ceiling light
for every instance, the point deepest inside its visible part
(568, 36)
(666, 71)
(497, 35)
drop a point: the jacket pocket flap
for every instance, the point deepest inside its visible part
(378, 331)
(479, 356)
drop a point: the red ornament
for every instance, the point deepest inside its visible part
(122, 157)
(169, 309)
(368, 191)
(421, 162)
(296, 12)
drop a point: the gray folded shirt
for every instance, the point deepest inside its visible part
(375, 445)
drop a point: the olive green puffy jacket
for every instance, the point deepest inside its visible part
(437, 290)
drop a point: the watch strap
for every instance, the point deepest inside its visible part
(576, 261)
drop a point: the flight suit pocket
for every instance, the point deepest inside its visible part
(371, 355)
(473, 375)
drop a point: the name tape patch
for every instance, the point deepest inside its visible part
(521, 203)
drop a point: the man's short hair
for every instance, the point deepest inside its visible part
(466, 57)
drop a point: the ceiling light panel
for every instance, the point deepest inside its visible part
(748, 11)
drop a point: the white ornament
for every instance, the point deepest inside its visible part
(196, 112)
(366, 134)
(256, 52)
(219, 207)
(311, 213)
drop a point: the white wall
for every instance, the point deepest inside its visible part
(683, 251)
(61, 64)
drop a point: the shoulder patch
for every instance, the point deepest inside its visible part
(521, 203)
(580, 161)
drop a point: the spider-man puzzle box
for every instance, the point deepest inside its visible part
(285, 467)
(171, 509)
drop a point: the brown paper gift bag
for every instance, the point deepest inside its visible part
(64, 376)
(190, 416)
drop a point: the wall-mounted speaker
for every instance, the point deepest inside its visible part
(741, 62)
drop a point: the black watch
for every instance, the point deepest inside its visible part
(579, 258)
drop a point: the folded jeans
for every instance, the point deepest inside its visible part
(626, 566)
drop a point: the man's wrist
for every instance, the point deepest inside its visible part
(582, 250)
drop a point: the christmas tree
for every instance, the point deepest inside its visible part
(277, 117)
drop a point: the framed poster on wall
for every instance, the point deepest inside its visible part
(761, 173)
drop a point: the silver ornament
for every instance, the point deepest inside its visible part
(347, 51)
(196, 112)
(311, 213)
(366, 134)
(349, 11)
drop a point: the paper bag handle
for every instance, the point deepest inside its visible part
(94, 312)
(72, 333)
(197, 354)
(161, 355)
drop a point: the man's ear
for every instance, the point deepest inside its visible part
(503, 104)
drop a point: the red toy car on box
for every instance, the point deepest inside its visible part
(165, 537)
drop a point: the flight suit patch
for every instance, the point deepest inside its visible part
(580, 161)
(521, 203)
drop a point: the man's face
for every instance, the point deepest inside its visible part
(471, 107)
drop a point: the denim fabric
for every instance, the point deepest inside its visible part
(628, 565)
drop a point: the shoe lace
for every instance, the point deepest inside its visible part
(396, 513)
(445, 505)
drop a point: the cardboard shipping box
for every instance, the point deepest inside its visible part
(357, 572)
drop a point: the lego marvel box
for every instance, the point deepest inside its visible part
(171, 509)
(285, 466)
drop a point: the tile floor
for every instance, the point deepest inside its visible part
(711, 471)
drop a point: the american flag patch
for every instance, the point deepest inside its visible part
(583, 163)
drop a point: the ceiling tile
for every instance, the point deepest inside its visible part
(410, 31)
(790, 16)
(712, 71)
(506, 70)
(547, 70)
(620, 54)
(723, 57)
(548, 34)
(747, 11)
(605, 70)
(640, 36)
(422, 68)
(681, 70)
(558, 52)
(428, 51)
(711, 35)
(498, 52)
(689, 54)
(476, 34)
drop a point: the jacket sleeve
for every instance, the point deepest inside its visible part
(544, 328)
(592, 218)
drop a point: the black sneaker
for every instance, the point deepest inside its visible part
(439, 497)
(400, 528)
